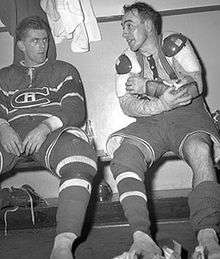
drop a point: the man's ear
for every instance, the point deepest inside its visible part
(20, 45)
(149, 25)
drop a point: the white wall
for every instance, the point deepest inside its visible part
(114, 7)
(97, 70)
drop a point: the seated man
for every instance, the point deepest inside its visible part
(165, 96)
(42, 108)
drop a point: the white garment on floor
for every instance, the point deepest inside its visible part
(72, 19)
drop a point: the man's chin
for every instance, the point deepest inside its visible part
(133, 48)
(41, 60)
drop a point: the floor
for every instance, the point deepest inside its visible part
(103, 242)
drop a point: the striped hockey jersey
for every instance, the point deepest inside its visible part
(51, 92)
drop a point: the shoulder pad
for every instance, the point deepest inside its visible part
(123, 64)
(127, 62)
(173, 43)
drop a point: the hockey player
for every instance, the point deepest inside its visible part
(164, 94)
(42, 106)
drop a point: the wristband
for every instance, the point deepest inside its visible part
(147, 86)
(150, 88)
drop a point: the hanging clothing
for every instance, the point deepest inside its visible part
(72, 19)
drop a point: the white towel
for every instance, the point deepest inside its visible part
(72, 19)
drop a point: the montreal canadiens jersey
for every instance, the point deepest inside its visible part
(51, 90)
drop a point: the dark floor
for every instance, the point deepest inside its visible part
(101, 243)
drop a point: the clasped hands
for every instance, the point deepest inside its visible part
(12, 142)
(173, 94)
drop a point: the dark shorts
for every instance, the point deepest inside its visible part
(8, 160)
(167, 131)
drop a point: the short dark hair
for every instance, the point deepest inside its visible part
(30, 23)
(145, 12)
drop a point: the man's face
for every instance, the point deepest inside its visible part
(34, 47)
(134, 30)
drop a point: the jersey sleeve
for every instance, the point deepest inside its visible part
(71, 111)
(3, 108)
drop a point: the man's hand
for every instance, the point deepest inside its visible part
(191, 88)
(174, 99)
(180, 89)
(10, 140)
(139, 85)
(35, 139)
(135, 84)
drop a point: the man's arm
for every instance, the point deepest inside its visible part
(188, 83)
(72, 109)
(69, 111)
(187, 65)
(135, 107)
(143, 86)
(9, 139)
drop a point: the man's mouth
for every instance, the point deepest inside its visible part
(130, 41)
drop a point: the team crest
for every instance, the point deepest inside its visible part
(30, 98)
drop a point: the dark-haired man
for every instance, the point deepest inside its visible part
(42, 107)
(165, 97)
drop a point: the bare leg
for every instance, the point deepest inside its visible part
(204, 201)
(197, 151)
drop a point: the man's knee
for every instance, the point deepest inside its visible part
(7, 160)
(73, 144)
(74, 158)
(128, 157)
(197, 145)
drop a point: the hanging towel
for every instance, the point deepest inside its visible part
(72, 19)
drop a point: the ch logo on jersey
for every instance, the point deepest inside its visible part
(45, 96)
(30, 97)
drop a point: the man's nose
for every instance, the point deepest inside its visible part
(124, 33)
(42, 45)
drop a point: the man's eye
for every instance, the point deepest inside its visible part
(45, 40)
(130, 26)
